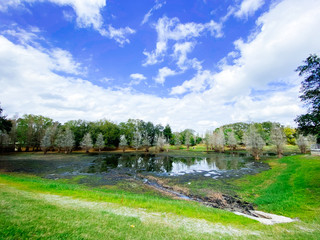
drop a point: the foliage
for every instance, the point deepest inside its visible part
(100, 142)
(86, 142)
(168, 134)
(254, 142)
(160, 142)
(219, 140)
(232, 141)
(304, 142)
(5, 124)
(136, 139)
(123, 142)
(278, 138)
(68, 141)
(309, 123)
(46, 140)
(290, 135)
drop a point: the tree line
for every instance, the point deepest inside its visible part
(36, 132)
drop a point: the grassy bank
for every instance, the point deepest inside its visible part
(33, 208)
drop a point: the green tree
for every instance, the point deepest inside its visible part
(290, 135)
(309, 123)
(5, 125)
(254, 142)
(86, 142)
(167, 133)
(100, 142)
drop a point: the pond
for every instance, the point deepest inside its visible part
(213, 165)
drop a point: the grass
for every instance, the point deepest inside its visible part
(290, 188)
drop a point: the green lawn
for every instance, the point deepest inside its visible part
(291, 188)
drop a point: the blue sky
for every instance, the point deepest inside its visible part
(193, 64)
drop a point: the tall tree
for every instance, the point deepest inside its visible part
(160, 142)
(220, 140)
(254, 142)
(100, 142)
(69, 141)
(46, 140)
(232, 141)
(167, 133)
(5, 124)
(136, 139)
(206, 139)
(123, 143)
(309, 123)
(86, 142)
(187, 139)
(177, 140)
(146, 141)
(304, 142)
(278, 138)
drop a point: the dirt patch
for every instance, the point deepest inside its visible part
(214, 199)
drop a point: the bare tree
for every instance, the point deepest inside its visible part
(86, 142)
(146, 142)
(254, 142)
(100, 142)
(207, 140)
(59, 141)
(232, 141)
(212, 141)
(220, 140)
(46, 140)
(166, 146)
(136, 139)
(4, 140)
(187, 140)
(160, 142)
(123, 143)
(304, 142)
(69, 141)
(278, 138)
(177, 141)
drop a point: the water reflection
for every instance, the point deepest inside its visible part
(168, 164)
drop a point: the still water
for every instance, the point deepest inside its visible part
(214, 165)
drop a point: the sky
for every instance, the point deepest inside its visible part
(193, 64)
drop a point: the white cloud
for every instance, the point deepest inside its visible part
(248, 8)
(23, 36)
(180, 51)
(88, 15)
(163, 73)
(158, 5)
(287, 35)
(136, 78)
(171, 29)
(62, 61)
(106, 80)
(197, 84)
(118, 34)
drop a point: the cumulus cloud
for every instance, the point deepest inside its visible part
(88, 14)
(23, 36)
(180, 51)
(286, 36)
(163, 73)
(136, 78)
(248, 8)
(171, 29)
(158, 5)
(197, 84)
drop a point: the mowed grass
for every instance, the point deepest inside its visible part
(291, 188)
